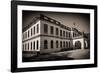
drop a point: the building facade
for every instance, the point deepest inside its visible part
(46, 35)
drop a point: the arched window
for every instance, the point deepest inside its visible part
(63, 44)
(51, 43)
(69, 34)
(69, 44)
(34, 45)
(66, 44)
(23, 47)
(31, 45)
(66, 34)
(37, 45)
(45, 44)
(28, 46)
(57, 44)
(63, 33)
(60, 44)
(73, 34)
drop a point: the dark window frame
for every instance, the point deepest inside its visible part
(46, 28)
(57, 31)
(45, 44)
(28, 33)
(34, 30)
(52, 46)
(31, 31)
(31, 46)
(37, 28)
(60, 44)
(57, 44)
(34, 45)
(51, 29)
(60, 32)
(37, 45)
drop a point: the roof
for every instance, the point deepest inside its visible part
(45, 18)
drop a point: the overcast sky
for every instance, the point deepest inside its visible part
(82, 21)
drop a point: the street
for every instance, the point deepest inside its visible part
(64, 55)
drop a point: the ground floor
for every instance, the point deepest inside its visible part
(43, 45)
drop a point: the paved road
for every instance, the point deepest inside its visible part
(76, 54)
(65, 55)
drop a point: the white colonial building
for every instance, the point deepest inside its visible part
(46, 35)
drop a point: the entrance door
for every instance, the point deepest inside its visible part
(77, 45)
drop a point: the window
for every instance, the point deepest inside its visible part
(69, 44)
(57, 44)
(51, 43)
(69, 34)
(45, 28)
(28, 46)
(37, 28)
(28, 33)
(73, 34)
(60, 44)
(66, 34)
(63, 33)
(31, 31)
(34, 45)
(45, 44)
(23, 47)
(23, 36)
(64, 44)
(60, 32)
(34, 29)
(51, 29)
(31, 45)
(57, 31)
(37, 44)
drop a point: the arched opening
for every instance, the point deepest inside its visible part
(77, 45)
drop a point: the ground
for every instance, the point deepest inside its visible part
(64, 55)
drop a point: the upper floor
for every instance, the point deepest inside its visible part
(43, 25)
